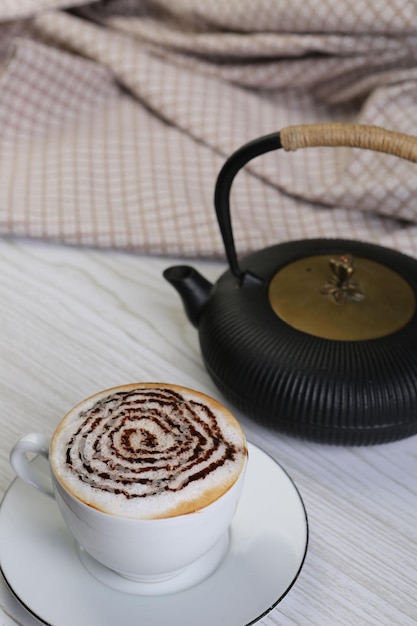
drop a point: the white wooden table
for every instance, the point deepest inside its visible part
(74, 321)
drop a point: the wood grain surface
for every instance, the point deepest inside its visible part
(74, 321)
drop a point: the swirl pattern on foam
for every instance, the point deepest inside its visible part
(148, 442)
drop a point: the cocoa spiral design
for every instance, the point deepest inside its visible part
(144, 442)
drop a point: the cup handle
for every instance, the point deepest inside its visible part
(36, 443)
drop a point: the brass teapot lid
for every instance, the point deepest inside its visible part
(342, 298)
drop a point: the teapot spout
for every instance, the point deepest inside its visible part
(193, 288)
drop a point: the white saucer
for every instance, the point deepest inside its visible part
(267, 548)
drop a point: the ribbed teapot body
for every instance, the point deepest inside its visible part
(330, 391)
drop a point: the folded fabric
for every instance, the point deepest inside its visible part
(116, 117)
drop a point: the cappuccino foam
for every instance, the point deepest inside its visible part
(148, 451)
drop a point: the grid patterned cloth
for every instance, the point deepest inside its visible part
(116, 117)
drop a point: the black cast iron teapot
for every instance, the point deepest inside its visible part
(316, 338)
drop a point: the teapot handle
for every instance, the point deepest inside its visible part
(292, 138)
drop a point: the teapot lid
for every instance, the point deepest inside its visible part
(342, 298)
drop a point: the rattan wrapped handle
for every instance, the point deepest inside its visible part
(350, 135)
(292, 138)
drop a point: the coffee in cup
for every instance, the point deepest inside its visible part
(148, 451)
(147, 476)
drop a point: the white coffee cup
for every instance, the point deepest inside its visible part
(143, 550)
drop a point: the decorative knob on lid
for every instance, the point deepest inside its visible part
(341, 284)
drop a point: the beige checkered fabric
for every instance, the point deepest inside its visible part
(116, 117)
